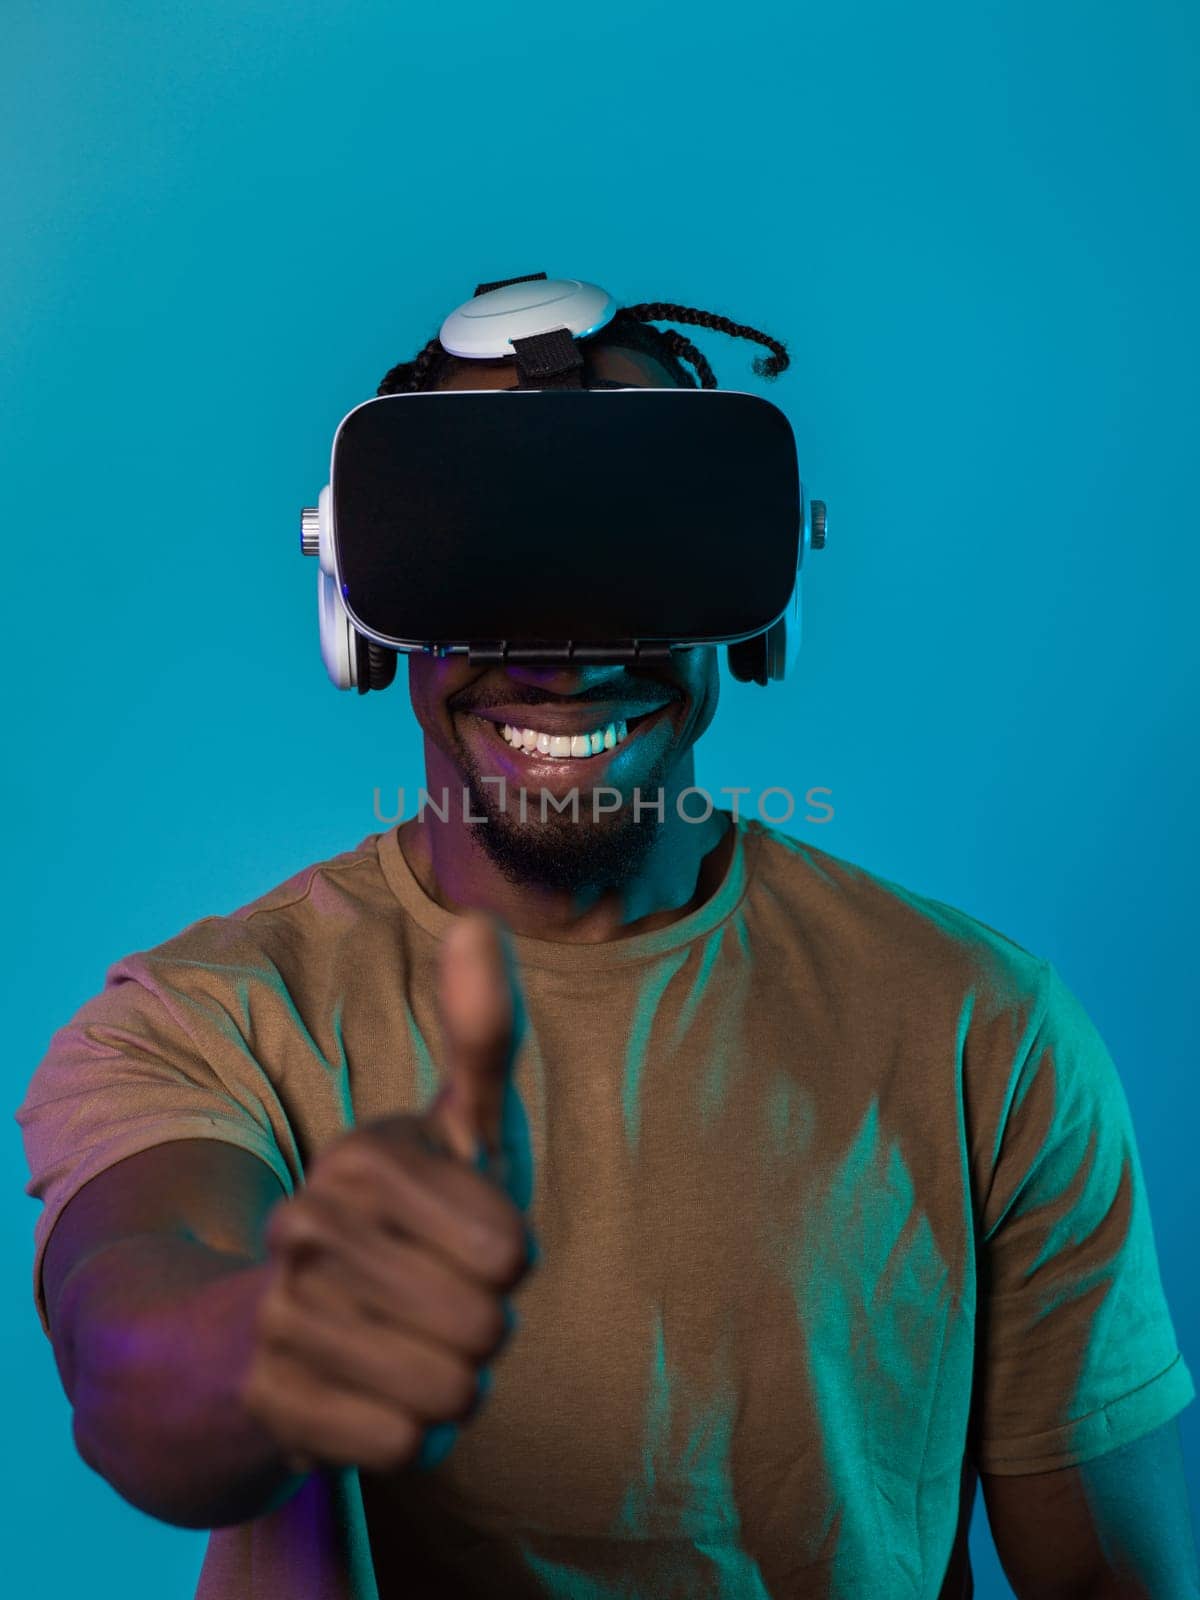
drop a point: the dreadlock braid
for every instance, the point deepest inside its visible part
(628, 333)
(422, 373)
(663, 311)
(629, 328)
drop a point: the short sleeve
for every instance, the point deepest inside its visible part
(144, 1062)
(1076, 1352)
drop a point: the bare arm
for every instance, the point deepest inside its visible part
(153, 1275)
(1113, 1528)
(219, 1341)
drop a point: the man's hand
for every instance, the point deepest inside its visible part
(390, 1268)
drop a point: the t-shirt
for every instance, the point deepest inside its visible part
(837, 1198)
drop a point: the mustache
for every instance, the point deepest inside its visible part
(634, 693)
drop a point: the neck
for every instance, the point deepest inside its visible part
(680, 872)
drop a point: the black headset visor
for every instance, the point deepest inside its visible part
(566, 518)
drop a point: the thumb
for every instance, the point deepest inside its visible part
(477, 1113)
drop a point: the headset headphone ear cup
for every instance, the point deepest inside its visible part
(769, 657)
(337, 636)
(375, 665)
(777, 650)
(383, 664)
(783, 643)
(748, 659)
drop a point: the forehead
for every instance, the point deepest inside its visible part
(620, 366)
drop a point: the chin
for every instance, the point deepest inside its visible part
(560, 853)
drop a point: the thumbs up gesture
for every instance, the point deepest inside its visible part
(386, 1291)
(478, 1114)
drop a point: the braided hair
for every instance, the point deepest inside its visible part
(629, 329)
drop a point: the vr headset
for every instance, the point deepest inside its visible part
(554, 523)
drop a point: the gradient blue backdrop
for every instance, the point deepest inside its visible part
(975, 227)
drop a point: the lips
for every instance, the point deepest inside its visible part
(551, 718)
(560, 727)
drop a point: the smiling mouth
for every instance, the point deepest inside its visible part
(550, 744)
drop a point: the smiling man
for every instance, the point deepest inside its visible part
(577, 845)
(819, 1200)
(578, 773)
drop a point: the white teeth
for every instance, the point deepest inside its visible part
(563, 745)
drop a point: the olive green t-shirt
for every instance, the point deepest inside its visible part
(838, 1202)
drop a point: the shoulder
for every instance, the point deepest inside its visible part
(352, 878)
(324, 904)
(884, 935)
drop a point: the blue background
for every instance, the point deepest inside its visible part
(975, 228)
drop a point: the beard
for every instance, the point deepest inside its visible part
(593, 853)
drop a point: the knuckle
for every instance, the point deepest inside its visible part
(484, 1327)
(457, 1391)
(275, 1317)
(352, 1159)
(397, 1444)
(390, 1139)
(280, 1222)
(264, 1313)
(499, 1247)
(296, 1221)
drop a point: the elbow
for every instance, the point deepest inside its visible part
(181, 1504)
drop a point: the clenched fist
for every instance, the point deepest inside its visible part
(390, 1269)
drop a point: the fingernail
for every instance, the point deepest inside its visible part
(436, 1445)
(483, 1388)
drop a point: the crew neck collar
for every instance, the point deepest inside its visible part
(557, 955)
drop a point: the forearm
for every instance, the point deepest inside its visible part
(154, 1342)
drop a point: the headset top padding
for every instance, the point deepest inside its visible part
(484, 328)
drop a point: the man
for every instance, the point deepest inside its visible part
(833, 1193)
